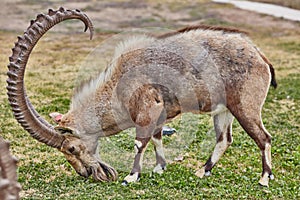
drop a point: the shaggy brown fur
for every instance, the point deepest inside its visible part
(203, 27)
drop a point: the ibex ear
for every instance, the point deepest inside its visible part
(56, 116)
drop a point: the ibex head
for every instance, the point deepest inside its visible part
(66, 137)
(80, 149)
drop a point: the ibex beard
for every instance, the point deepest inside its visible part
(150, 81)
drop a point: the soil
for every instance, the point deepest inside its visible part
(111, 17)
(118, 16)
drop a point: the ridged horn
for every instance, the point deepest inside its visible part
(22, 108)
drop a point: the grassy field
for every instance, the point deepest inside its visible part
(53, 68)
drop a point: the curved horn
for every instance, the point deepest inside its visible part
(22, 108)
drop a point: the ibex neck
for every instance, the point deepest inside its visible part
(109, 111)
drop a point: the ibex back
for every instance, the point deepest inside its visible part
(150, 81)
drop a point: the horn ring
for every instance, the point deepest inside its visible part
(22, 108)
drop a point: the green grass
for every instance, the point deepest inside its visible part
(45, 174)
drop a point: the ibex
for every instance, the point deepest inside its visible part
(151, 80)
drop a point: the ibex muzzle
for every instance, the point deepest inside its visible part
(150, 81)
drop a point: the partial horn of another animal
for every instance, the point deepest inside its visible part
(9, 186)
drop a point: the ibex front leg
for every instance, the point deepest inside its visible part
(148, 120)
(223, 128)
(142, 139)
(140, 145)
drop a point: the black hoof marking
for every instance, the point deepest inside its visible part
(265, 186)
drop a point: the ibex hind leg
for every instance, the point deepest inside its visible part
(159, 152)
(250, 120)
(223, 129)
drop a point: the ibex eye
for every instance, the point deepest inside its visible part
(66, 131)
(63, 130)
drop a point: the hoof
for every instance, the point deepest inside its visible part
(200, 173)
(159, 169)
(133, 177)
(124, 183)
(208, 173)
(264, 180)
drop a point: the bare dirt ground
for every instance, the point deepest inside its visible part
(121, 15)
(111, 17)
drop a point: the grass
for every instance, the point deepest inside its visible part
(45, 174)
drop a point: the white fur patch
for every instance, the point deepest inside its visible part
(267, 152)
(219, 150)
(132, 178)
(159, 147)
(138, 143)
(158, 169)
(264, 180)
(224, 121)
